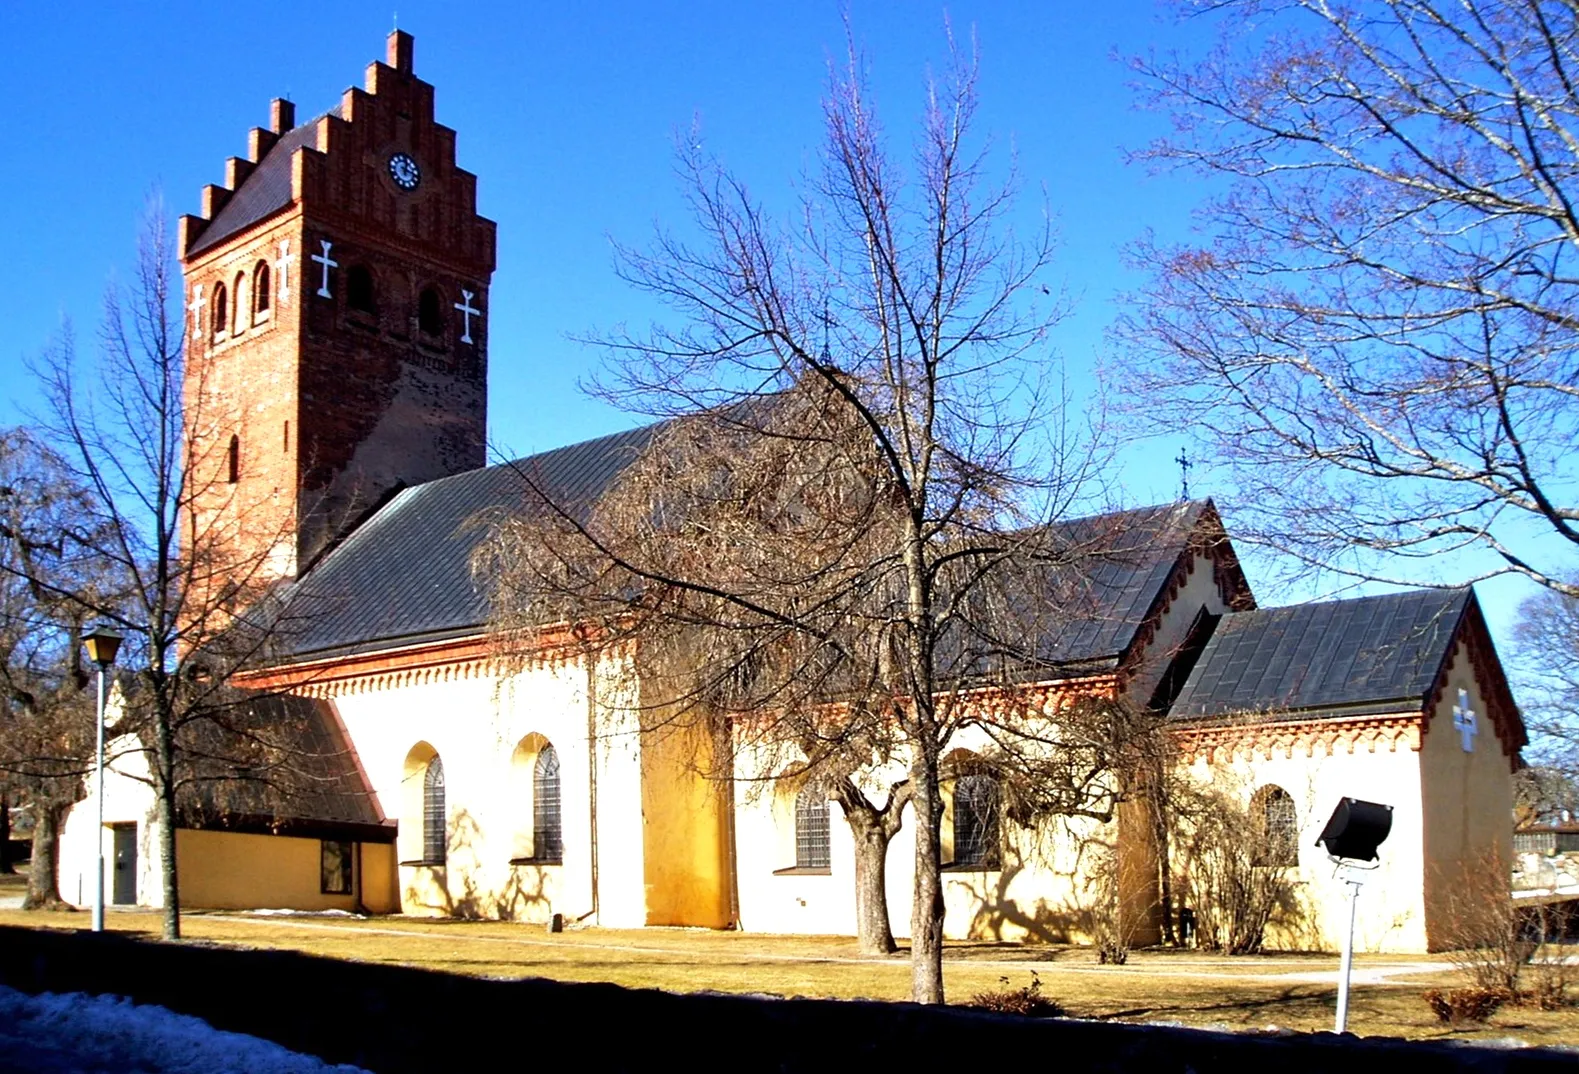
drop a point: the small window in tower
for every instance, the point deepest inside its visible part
(221, 310)
(430, 316)
(233, 460)
(240, 303)
(359, 290)
(260, 291)
(285, 437)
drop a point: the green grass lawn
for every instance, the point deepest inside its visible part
(1191, 988)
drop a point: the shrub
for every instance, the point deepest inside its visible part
(1027, 1001)
(1460, 1005)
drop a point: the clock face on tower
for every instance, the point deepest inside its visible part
(404, 171)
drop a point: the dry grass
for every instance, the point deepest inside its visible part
(1183, 987)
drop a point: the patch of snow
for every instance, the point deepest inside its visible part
(82, 1034)
(306, 913)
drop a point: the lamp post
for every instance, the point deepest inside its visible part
(1351, 837)
(102, 644)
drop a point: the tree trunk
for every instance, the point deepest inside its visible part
(164, 782)
(926, 919)
(873, 932)
(872, 830)
(5, 833)
(43, 875)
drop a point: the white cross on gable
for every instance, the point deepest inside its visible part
(196, 306)
(1464, 722)
(323, 259)
(467, 312)
(282, 269)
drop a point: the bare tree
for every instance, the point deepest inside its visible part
(1376, 332)
(47, 737)
(1548, 669)
(134, 429)
(862, 441)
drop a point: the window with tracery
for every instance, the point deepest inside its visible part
(812, 836)
(548, 837)
(976, 800)
(434, 821)
(1273, 810)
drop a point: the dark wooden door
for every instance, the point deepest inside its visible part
(125, 883)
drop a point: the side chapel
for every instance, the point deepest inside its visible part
(337, 287)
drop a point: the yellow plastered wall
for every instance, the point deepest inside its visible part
(685, 829)
(244, 871)
(1467, 800)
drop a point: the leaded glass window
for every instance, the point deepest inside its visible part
(976, 820)
(811, 829)
(1279, 828)
(548, 839)
(434, 824)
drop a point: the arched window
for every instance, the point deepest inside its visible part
(233, 461)
(811, 828)
(1272, 809)
(359, 292)
(976, 820)
(548, 837)
(260, 291)
(239, 303)
(221, 310)
(434, 823)
(430, 313)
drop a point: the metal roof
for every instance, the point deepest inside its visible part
(404, 576)
(319, 789)
(1341, 657)
(1106, 574)
(264, 192)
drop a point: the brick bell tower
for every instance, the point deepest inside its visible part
(337, 328)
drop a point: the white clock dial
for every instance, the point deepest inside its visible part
(404, 171)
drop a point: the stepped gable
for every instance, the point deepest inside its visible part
(404, 576)
(1336, 658)
(264, 192)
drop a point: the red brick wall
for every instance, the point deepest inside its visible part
(372, 402)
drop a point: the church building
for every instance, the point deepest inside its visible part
(337, 292)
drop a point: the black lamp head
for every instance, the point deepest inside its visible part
(1356, 829)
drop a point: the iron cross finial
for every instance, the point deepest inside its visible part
(1184, 474)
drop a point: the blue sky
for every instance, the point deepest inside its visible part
(567, 113)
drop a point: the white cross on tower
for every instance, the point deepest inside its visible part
(323, 259)
(1464, 722)
(196, 306)
(282, 268)
(467, 310)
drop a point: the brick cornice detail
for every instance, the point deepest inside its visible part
(1302, 738)
(453, 660)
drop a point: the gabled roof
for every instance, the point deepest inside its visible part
(264, 192)
(1336, 658)
(404, 576)
(1115, 579)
